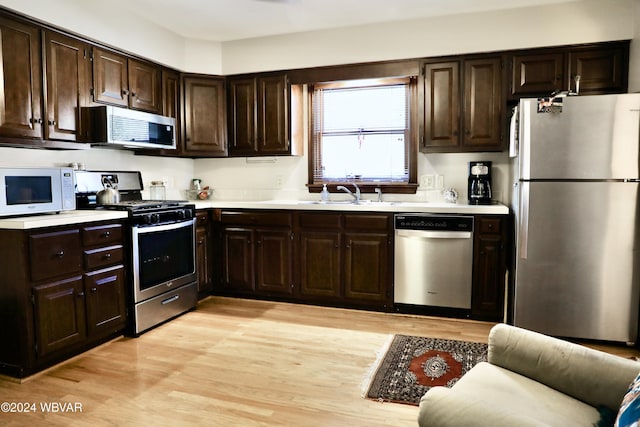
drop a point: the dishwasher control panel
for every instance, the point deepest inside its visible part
(433, 222)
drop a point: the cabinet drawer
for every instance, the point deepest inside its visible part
(366, 222)
(489, 225)
(319, 220)
(55, 254)
(276, 219)
(102, 257)
(202, 218)
(102, 234)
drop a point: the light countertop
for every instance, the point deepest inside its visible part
(409, 207)
(82, 216)
(63, 218)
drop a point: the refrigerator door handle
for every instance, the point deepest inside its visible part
(523, 222)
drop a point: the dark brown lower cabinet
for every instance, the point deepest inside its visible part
(366, 267)
(325, 258)
(273, 257)
(63, 292)
(257, 250)
(320, 264)
(489, 267)
(203, 253)
(345, 259)
(59, 311)
(105, 301)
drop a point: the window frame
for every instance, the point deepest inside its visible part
(411, 141)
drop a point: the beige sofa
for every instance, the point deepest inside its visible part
(532, 379)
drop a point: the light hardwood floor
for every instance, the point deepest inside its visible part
(235, 362)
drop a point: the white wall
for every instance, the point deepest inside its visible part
(106, 21)
(566, 23)
(576, 22)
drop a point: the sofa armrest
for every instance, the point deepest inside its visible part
(595, 377)
(443, 407)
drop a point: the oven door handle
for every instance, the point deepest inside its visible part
(164, 227)
(170, 299)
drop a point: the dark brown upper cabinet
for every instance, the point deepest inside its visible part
(602, 68)
(68, 71)
(463, 103)
(21, 114)
(204, 117)
(259, 115)
(126, 82)
(171, 100)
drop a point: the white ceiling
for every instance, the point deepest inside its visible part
(226, 20)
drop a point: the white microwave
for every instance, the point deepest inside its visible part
(26, 191)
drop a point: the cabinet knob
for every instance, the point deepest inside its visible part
(52, 122)
(60, 254)
(80, 294)
(107, 255)
(106, 234)
(125, 92)
(94, 290)
(133, 94)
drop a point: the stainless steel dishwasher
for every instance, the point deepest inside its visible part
(433, 260)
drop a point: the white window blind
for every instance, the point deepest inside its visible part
(361, 132)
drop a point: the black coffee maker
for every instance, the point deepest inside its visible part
(479, 188)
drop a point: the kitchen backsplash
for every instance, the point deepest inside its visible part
(238, 179)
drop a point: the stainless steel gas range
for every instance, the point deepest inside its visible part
(161, 251)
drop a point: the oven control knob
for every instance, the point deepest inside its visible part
(182, 214)
(146, 218)
(155, 218)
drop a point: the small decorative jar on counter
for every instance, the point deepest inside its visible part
(157, 190)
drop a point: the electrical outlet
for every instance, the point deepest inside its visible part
(278, 181)
(427, 182)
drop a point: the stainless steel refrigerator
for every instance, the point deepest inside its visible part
(575, 200)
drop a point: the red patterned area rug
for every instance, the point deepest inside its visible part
(412, 365)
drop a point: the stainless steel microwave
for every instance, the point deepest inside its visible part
(26, 191)
(124, 128)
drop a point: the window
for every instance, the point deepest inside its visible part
(361, 132)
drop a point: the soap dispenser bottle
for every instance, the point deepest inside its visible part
(324, 195)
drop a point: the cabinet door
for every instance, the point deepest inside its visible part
(273, 115)
(366, 266)
(68, 86)
(536, 74)
(202, 260)
(482, 104)
(21, 73)
(110, 78)
(489, 267)
(601, 70)
(242, 118)
(145, 86)
(59, 314)
(171, 100)
(237, 246)
(441, 105)
(205, 126)
(274, 249)
(105, 301)
(320, 264)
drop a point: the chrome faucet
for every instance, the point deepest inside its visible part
(356, 195)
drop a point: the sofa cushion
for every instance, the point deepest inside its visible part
(489, 395)
(629, 414)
